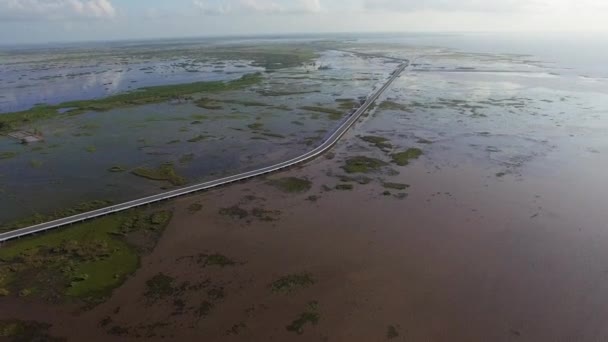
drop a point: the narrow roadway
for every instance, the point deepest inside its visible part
(325, 146)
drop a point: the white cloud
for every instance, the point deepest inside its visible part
(55, 9)
(502, 6)
(216, 7)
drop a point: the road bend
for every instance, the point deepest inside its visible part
(329, 142)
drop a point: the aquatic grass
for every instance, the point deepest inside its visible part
(333, 114)
(142, 96)
(40, 218)
(345, 187)
(83, 262)
(116, 169)
(8, 155)
(165, 172)
(292, 184)
(395, 186)
(292, 283)
(362, 164)
(403, 158)
(310, 316)
(379, 142)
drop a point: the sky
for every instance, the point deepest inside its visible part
(41, 21)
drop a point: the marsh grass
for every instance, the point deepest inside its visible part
(292, 283)
(147, 95)
(362, 164)
(84, 262)
(403, 158)
(165, 172)
(292, 184)
(310, 316)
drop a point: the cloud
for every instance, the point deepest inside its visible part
(17, 10)
(502, 6)
(450, 5)
(224, 7)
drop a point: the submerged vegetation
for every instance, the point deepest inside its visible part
(395, 186)
(291, 283)
(333, 114)
(139, 97)
(7, 155)
(21, 331)
(39, 218)
(292, 184)
(84, 262)
(403, 158)
(391, 105)
(361, 164)
(379, 142)
(310, 316)
(165, 172)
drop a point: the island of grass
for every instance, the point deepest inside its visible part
(345, 187)
(39, 218)
(292, 184)
(362, 164)
(165, 172)
(116, 169)
(10, 121)
(310, 316)
(379, 142)
(7, 155)
(16, 330)
(333, 114)
(395, 186)
(291, 283)
(403, 158)
(391, 105)
(82, 263)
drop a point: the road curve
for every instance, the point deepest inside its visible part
(326, 145)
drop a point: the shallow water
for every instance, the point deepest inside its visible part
(72, 165)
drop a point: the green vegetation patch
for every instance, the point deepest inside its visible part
(208, 104)
(215, 259)
(363, 180)
(166, 172)
(347, 104)
(379, 142)
(391, 105)
(234, 212)
(345, 187)
(395, 186)
(403, 158)
(117, 169)
(292, 184)
(310, 316)
(199, 137)
(22, 331)
(291, 283)
(8, 155)
(83, 262)
(362, 164)
(334, 114)
(39, 218)
(256, 126)
(148, 95)
(159, 287)
(265, 215)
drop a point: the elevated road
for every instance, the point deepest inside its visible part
(325, 146)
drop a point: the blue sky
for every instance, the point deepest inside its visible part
(39, 21)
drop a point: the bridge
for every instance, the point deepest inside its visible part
(329, 142)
